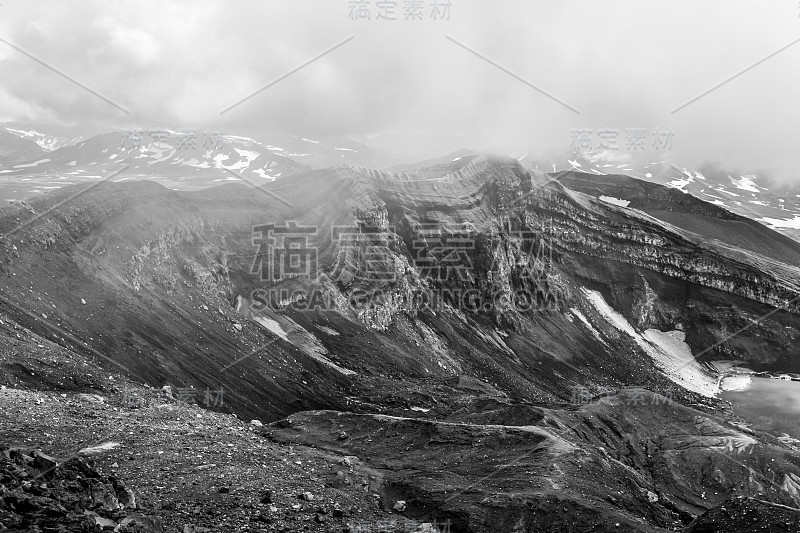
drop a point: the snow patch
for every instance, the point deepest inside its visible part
(35, 163)
(746, 183)
(678, 363)
(680, 184)
(735, 383)
(582, 317)
(100, 448)
(193, 162)
(615, 201)
(249, 154)
(273, 326)
(668, 349)
(329, 331)
(262, 173)
(792, 223)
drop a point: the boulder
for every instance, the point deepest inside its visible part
(125, 495)
(167, 391)
(43, 462)
(94, 521)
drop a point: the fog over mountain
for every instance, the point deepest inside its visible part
(627, 64)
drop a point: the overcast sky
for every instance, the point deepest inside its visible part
(620, 64)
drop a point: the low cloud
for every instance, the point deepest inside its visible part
(623, 64)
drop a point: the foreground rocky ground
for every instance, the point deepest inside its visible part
(131, 459)
(187, 468)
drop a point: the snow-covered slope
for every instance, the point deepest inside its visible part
(46, 141)
(181, 160)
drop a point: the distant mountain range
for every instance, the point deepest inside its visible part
(37, 158)
(35, 161)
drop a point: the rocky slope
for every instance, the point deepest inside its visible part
(501, 350)
(138, 461)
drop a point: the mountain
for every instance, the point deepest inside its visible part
(14, 148)
(181, 160)
(51, 136)
(37, 159)
(500, 348)
(704, 221)
(747, 194)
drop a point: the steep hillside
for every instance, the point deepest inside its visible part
(687, 212)
(752, 195)
(499, 349)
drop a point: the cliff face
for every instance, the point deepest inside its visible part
(483, 235)
(526, 242)
(532, 240)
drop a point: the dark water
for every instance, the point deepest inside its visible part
(769, 404)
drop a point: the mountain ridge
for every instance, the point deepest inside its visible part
(568, 310)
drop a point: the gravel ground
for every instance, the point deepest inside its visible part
(188, 466)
